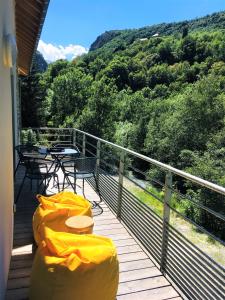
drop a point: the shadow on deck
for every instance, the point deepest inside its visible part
(139, 276)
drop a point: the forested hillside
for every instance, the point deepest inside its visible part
(113, 37)
(163, 96)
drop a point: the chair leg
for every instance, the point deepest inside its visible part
(54, 182)
(20, 189)
(64, 178)
(83, 187)
(70, 183)
(43, 181)
(46, 186)
(16, 168)
(57, 181)
(74, 185)
(97, 188)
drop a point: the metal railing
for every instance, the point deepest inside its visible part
(197, 274)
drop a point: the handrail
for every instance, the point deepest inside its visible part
(187, 263)
(215, 187)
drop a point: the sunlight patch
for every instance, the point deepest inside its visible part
(26, 249)
(53, 52)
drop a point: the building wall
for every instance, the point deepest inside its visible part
(6, 148)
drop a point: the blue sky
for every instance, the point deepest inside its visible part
(72, 25)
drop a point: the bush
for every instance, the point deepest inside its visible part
(28, 137)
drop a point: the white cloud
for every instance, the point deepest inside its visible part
(52, 52)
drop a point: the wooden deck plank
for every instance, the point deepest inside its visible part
(139, 274)
(22, 241)
(111, 232)
(20, 264)
(17, 294)
(142, 285)
(139, 277)
(116, 237)
(136, 265)
(132, 256)
(22, 250)
(19, 282)
(128, 249)
(161, 293)
(107, 221)
(126, 242)
(18, 273)
(24, 235)
(24, 256)
(106, 226)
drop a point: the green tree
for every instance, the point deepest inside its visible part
(70, 93)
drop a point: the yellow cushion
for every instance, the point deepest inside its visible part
(74, 267)
(53, 212)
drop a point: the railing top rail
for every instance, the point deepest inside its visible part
(215, 187)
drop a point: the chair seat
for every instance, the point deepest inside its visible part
(81, 168)
(40, 176)
(80, 175)
(40, 169)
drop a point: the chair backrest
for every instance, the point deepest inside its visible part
(81, 165)
(38, 166)
(86, 164)
(27, 151)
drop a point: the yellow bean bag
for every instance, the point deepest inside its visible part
(53, 211)
(74, 267)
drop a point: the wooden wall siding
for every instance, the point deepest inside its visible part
(139, 276)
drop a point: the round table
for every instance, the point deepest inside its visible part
(80, 224)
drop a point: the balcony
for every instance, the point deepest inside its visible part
(159, 258)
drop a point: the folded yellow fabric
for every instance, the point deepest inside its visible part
(74, 267)
(53, 211)
(65, 198)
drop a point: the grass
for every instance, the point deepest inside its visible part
(211, 247)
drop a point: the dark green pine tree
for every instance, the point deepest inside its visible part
(31, 94)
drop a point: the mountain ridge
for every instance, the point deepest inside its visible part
(211, 21)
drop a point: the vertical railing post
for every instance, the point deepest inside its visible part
(38, 136)
(166, 220)
(84, 144)
(98, 153)
(74, 137)
(120, 189)
(71, 136)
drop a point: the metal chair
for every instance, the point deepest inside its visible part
(27, 151)
(80, 168)
(39, 169)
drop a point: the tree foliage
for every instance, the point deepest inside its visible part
(163, 96)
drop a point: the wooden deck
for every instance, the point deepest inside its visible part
(140, 279)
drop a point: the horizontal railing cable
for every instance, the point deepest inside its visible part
(198, 275)
(188, 198)
(144, 189)
(178, 172)
(198, 226)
